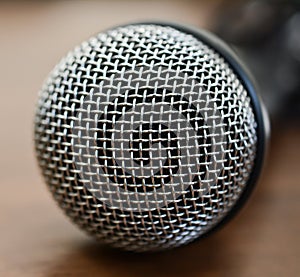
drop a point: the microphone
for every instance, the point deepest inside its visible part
(150, 135)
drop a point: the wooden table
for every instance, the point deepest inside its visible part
(37, 240)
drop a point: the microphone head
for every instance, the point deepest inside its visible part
(150, 135)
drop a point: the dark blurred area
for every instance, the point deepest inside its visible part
(266, 33)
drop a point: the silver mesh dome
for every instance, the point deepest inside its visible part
(146, 136)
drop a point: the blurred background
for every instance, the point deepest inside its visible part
(35, 237)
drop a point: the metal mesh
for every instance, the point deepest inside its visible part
(145, 136)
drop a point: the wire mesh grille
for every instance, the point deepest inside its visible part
(145, 136)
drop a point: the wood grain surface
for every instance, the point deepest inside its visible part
(36, 239)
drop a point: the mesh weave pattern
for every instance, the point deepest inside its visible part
(145, 136)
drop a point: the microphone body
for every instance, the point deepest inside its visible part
(150, 135)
